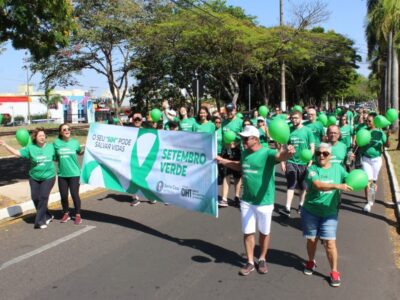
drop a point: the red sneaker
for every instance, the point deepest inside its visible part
(65, 218)
(335, 279)
(78, 220)
(309, 267)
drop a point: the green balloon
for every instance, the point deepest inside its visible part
(363, 137)
(1, 118)
(381, 122)
(279, 131)
(306, 155)
(23, 137)
(338, 111)
(357, 180)
(263, 111)
(331, 120)
(229, 137)
(239, 115)
(323, 119)
(155, 114)
(297, 108)
(392, 115)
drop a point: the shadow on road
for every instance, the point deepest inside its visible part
(13, 170)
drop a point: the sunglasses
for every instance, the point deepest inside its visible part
(324, 153)
(246, 138)
(66, 129)
(217, 122)
(137, 119)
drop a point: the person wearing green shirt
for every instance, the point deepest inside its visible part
(41, 174)
(346, 132)
(231, 151)
(339, 149)
(254, 120)
(316, 127)
(69, 171)
(319, 215)
(218, 130)
(349, 115)
(203, 121)
(185, 122)
(371, 159)
(295, 169)
(264, 134)
(258, 166)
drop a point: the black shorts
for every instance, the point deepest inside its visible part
(295, 176)
(231, 154)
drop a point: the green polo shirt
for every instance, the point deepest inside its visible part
(42, 161)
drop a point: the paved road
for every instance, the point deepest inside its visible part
(162, 252)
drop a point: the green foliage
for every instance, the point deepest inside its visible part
(42, 26)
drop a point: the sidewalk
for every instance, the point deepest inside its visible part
(15, 199)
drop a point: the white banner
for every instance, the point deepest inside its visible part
(174, 167)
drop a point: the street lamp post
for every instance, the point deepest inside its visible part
(27, 90)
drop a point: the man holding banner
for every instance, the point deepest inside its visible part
(258, 166)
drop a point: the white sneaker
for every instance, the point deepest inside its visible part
(44, 226)
(367, 207)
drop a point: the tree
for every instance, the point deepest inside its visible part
(50, 100)
(105, 42)
(42, 26)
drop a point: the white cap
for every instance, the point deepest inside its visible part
(261, 119)
(250, 130)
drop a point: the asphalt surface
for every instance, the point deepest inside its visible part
(162, 252)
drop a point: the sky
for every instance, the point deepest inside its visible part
(346, 17)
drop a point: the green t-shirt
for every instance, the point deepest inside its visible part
(259, 176)
(254, 121)
(323, 203)
(301, 139)
(186, 124)
(339, 153)
(317, 129)
(235, 125)
(375, 147)
(66, 154)
(350, 117)
(346, 132)
(359, 127)
(207, 127)
(219, 140)
(42, 161)
(263, 138)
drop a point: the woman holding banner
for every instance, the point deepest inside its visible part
(69, 171)
(41, 174)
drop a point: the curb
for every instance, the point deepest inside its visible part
(20, 209)
(393, 182)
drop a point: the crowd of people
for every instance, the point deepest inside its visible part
(246, 163)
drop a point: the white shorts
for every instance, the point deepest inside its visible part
(255, 214)
(371, 166)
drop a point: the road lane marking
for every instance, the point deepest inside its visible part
(46, 247)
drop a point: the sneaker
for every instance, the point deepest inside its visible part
(223, 203)
(50, 220)
(65, 218)
(152, 201)
(299, 209)
(135, 201)
(335, 279)
(309, 268)
(78, 220)
(247, 269)
(285, 212)
(367, 208)
(44, 226)
(262, 267)
(236, 202)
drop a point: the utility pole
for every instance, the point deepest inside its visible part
(283, 66)
(27, 90)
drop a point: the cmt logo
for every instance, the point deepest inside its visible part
(186, 193)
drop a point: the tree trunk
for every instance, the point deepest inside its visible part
(395, 83)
